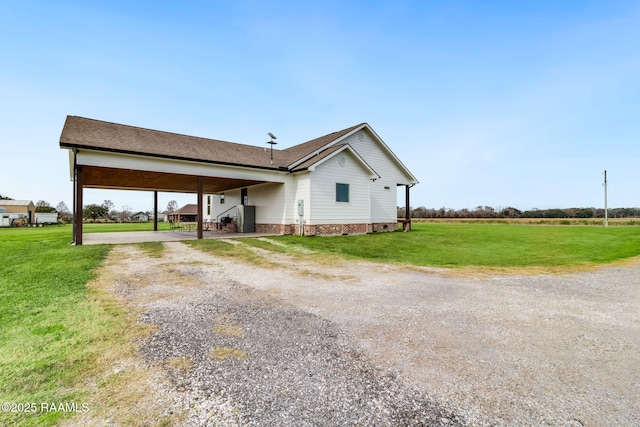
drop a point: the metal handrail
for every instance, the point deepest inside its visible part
(219, 215)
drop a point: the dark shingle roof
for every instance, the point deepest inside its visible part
(300, 151)
(94, 134)
(189, 209)
(314, 159)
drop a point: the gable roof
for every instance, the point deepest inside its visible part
(84, 133)
(337, 138)
(331, 152)
(300, 151)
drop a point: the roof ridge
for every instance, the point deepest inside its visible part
(343, 131)
(167, 132)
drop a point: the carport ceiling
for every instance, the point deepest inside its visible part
(131, 179)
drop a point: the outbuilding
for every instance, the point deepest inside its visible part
(19, 211)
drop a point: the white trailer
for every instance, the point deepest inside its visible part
(5, 221)
(46, 218)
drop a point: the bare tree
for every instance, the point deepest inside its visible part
(62, 207)
(172, 206)
(63, 212)
(125, 213)
(108, 204)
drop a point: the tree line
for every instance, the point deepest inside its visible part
(105, 210)
(510, 212)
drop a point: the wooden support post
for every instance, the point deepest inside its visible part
(407, 209)
(77, 220)
(200, 206)
(155, 211)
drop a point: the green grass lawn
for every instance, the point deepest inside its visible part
(49, 331)
(486, 245)
(130, 226)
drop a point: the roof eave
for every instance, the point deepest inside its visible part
(374, 174)
(414, 180)
(160, 156)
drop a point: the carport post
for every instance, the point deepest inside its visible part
(155, 211)
(407, 209)
(77, 214)
(200, 206)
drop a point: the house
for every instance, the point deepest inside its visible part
(340, 183)
(160, 216)
(187, 213)
(21, 210)
(140, 216)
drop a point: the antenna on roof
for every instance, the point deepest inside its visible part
(272, 143)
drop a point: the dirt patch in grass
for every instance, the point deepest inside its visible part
(226, 325)
(223, 353)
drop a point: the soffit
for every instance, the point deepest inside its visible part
(130, 179)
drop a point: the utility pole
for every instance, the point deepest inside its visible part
(606, 213)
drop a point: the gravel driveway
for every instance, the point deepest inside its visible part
(370, 344)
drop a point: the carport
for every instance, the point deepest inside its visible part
(112, 156)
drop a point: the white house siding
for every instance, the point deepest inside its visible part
(383, 201)
(300, 189)
(325, 209)
(231, 199)
(269, 200)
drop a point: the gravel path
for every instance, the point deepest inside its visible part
(369, 344)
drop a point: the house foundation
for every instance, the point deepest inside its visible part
(327, 229)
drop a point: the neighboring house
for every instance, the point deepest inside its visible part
(140, 216)
(341, 183)
(23, 210)
(187, 213)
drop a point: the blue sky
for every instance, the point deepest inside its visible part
(495, 103)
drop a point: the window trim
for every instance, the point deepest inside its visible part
(340, 187)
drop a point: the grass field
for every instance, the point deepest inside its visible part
(131, 226)
(484, 245)
(531, 221)
(50, 330)
(54, 329)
